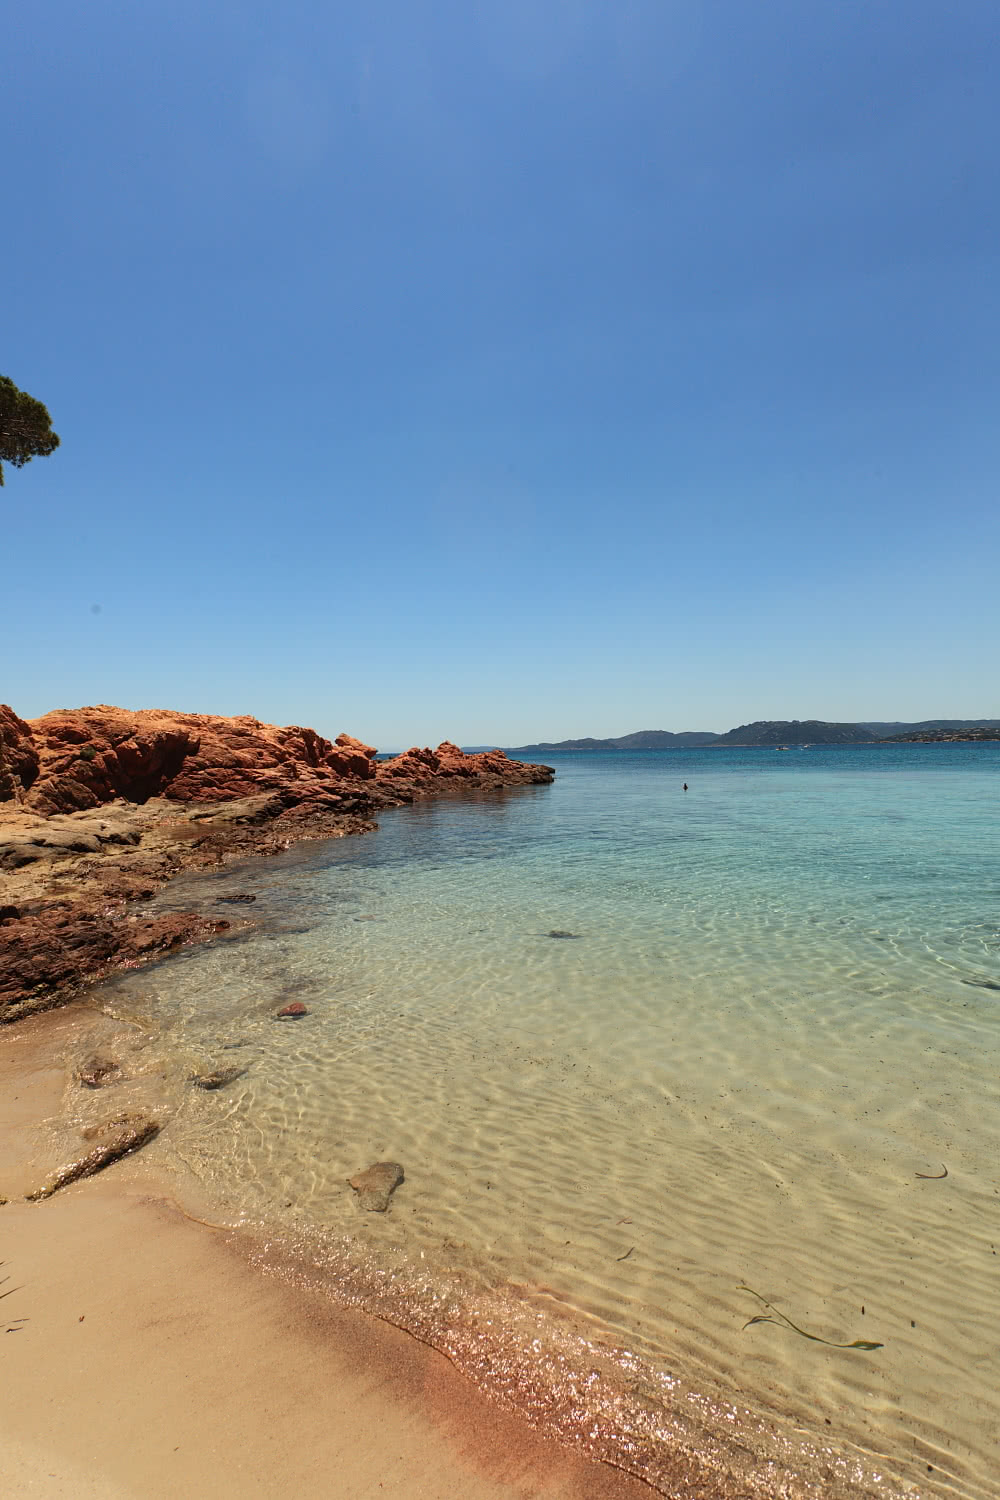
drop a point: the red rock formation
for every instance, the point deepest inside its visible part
(18, 756)
(352, 758)
(74, 759)
(249, 788)
(59, 943)
(418, 773)
(70, 760)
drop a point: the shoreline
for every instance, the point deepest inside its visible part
(572, 1420)
(153, 1359)
(703, 1457)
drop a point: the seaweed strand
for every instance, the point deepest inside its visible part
(785, 1320)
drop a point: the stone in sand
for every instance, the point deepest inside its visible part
(293, 1012)
(218, 1079)
(557, 932)
(123, 1140)
(376, 1185)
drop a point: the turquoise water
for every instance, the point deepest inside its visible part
(778, 1006)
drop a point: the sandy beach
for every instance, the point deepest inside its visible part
(148, 1359)
(598, 1193)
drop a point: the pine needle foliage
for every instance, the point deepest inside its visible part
(25, 427)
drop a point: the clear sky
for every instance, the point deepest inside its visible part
(504, 369)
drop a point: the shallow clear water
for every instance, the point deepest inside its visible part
(779, 1005)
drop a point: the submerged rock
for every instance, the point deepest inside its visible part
(122, 1140)
(98, 1072)
(114, 1126)
(376, 1185)
(235, 900)
(293, 1012)
(557, 932)
(218, 1079)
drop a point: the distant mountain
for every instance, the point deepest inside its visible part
(894, 730)
(769, 732)
(642, 739)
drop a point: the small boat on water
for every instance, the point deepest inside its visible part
(782, 747)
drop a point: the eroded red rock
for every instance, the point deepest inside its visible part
(419, 772)
(292, 1012)
(76, 759)
(18, 756)
(57, 944)
(89, 756)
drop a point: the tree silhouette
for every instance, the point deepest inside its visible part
(25, 427)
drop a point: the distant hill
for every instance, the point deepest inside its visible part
(945, 736)
(769, 732)
(642, 739)
(896, 730)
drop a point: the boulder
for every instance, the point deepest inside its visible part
(352, 758)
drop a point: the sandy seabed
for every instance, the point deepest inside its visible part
(146, 1357)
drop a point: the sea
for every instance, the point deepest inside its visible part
(695, 1093)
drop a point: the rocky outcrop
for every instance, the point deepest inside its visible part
(419, 773)
(46, 945)
(86, 757)
(101, 806)
(75, 760)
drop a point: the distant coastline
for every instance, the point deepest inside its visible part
(775, 733)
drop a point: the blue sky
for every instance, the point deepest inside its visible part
(504, 369)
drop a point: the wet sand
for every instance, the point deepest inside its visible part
(154, 1361)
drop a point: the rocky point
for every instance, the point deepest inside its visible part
(101, 806)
